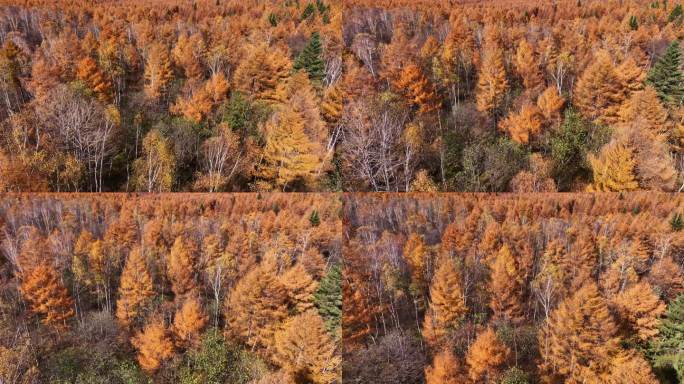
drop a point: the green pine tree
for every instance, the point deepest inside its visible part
(328, 299)
(676, 14)
(666, 75)
(677, 222)
(273, 19)
(668, 349)
(314, 219)
(309, 11)
(633, 23)
(310, 60)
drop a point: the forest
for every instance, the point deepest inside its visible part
(341, 95)
(190, 289)
(513, 289)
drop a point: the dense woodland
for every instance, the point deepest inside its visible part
(170, 289)
(553, 288)
(352, 95)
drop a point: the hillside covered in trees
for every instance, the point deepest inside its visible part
(341, 95)
(170, 289)
(168, 95)
(553, 288)
(525, 96)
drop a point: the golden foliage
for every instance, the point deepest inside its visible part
(188, 322)
(550, 104)
(181, 266)
(290, 154)
(645, 108)
(492, 83)
(423, 183)
(417, 89)
(447, 304)
(419, 258)
(524, 125)
(579, 341)
(154, 346)
(158, 72)
(630, 367)
(261, 70)
(256, 306)
(189, 54)
(304, 348)
(599, 92)
(47, 297)
(526, 64)
(506, 288)
(486, 357)
(154, 172)
(614, 169)
(300, 287)
(203, 100)
(631, 75)
(94, 79)
(135, 288)
(641, 309)
(445, 369)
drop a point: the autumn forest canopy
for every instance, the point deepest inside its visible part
(170, 289)
(189, 191)
(341, 95)
(513, 289)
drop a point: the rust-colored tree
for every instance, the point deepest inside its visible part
(135, 288)
(599, 92)
(154, 345)
(188, 322)
(614, 169)
(486, 357)
(506, 288)
(527, 65)
(47, 297)
(304, 348)
(445, 369)
(256, 307)
(181, 266)
(158, 72)
(417, 89)
(522, 125)
(300, 287)
(639, 308)
(580, 340)
(492, 83)
(93, 78)
(447, 304)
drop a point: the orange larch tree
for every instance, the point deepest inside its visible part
(417, 89)
(506, 288)
(492, 83)
(158, 72)
(300, 287)
(135, 288)
(154, 345)
(447, 304)
(181, 266)
(580, 340)
(47, 297)
(188, 322)
(599, 92)
(94, 79)
(486, 357)
(256, 307)
(527, 65)
(523, 125)
(445, 369)
(304, 348)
